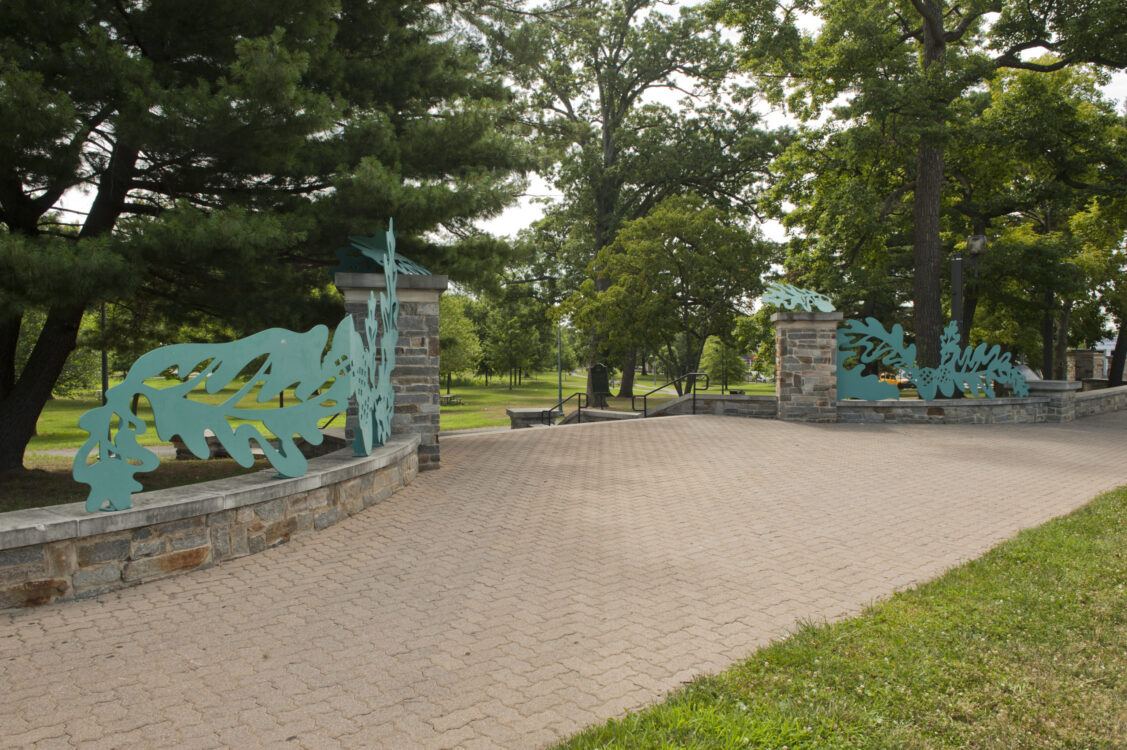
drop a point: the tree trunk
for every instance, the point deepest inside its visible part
(927, 307)
(9, 340)
(927, 249)
(20, 410)
(1047, 330)
(626, 389)
(1118, 356)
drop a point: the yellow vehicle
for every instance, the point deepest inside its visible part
(898, 379)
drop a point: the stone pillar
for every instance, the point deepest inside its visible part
(415, 377)
(1061, 395)
(806, 365)
(1086, 364)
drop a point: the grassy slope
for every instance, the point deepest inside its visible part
(1025, 647)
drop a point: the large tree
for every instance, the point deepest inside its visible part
(677, 276)
(593, 76)
(911, 60)
(226, 148)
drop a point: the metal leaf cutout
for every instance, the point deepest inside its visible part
(322, 382)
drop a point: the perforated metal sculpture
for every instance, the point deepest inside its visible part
(367, 255)
(321, 381)
(790, 297)
(973, 370)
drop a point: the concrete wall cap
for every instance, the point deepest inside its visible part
(788, 316)
(1054, 385)
(350, 280)
(1102, 393)
(20, 528)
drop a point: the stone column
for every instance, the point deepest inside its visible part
(1084, 363)
(415, 377)
(806, 365)
(1061, 395)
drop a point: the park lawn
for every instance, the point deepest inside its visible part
(484, 406)
(47, 480)
(58, 428)
(1025, 647)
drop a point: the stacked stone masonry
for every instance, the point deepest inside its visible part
(968, 411)
(806, 365)
(63, 552)
(1097, 402)
(415, 378)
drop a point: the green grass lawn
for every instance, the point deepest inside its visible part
(58, 428)
(484, 406)
(1025, 647)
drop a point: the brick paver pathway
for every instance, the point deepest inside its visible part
(540, 581)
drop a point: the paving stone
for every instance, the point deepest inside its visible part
(540, 580)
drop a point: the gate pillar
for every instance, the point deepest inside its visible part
(806, 365)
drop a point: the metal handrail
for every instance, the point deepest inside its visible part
(580, 399)
(696, 376)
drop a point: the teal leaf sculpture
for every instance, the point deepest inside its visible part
(375, 398)
(322, 382)
(790, 297)
(871, 342)
(972, 370)
(369, 255)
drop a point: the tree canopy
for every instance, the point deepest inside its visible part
(227, 148)
(891, 74)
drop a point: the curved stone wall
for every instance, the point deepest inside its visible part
(949, 411)
(63, 552)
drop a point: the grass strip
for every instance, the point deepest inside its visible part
(1025, 647)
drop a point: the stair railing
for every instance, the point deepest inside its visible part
(546, 416)
(694, 376)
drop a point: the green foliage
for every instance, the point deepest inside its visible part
(876, 185)
(227, 147)
(83, 368)
(591, 76)
(676, 277)
(459, 346)
(723, 363)
(755, 333)
(511, 343)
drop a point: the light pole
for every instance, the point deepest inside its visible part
(976, 246)
(559, 362)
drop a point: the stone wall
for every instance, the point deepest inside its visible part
(1084, 364)
(415, 378)
(806, 365)
(721, 404)
(1097, 402)
(1061, 395)
(63, 552)
(964, 411)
